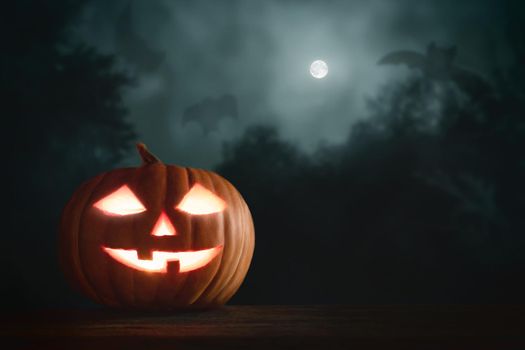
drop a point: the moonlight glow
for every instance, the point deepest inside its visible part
(319, 69)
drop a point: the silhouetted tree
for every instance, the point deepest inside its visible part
(63, 122)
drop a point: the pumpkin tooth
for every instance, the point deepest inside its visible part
(144, 254)
(173, 267)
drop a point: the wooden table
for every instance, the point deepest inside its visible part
(273, 327)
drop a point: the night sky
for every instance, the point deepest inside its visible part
(380, 183)
(260, 51)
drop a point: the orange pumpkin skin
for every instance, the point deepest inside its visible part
(86, 230)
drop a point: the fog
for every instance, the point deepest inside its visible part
(260, 53)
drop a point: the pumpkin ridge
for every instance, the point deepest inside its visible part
(212, 278)
(155, 298)
(238, 260)
(243, 234)
(232, 283)
(65, 235)
(143, 300)
(164, 202)
(164, 168)
(115, 289)
(134, 240)
(248, 243)
(192, 180)
(181, 287)
(78, 232)
(228, 223)
(248, 249)
(155, 294)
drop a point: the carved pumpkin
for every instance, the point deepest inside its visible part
(157, 237)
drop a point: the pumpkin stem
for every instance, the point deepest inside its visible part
(146, 156)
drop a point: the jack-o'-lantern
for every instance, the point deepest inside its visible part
(157, 237)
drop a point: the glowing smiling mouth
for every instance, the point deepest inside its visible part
(188, 261)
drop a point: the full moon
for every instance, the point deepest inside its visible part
(319, 69)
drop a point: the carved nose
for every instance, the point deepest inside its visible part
(163, 227)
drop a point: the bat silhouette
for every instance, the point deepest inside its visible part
(210, 111)
(438, 64)
(135, 49)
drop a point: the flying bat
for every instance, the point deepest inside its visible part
(438, 64)
(209, 112)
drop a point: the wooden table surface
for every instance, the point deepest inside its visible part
(265, 327)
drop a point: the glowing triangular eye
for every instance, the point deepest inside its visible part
(121, 202)
(201, 201)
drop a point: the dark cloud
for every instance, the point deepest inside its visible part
(259, 51)
(209, 112)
